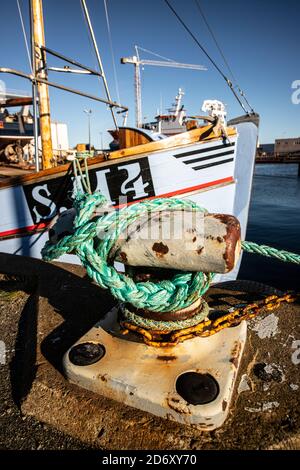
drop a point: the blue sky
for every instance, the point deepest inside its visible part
(260, 40)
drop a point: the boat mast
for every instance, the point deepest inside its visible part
(40, 72)
(178, 101)
(138, 89)
(135, 60)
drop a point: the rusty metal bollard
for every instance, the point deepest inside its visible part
(182, 240)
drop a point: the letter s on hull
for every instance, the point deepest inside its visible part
(45, 201)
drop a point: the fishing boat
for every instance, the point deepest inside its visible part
(211, 163)
(172, 122)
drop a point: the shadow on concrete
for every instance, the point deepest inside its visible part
(23, 364)
(70, 292)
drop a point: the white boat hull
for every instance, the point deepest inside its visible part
(214, 174)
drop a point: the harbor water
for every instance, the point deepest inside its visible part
(274, 219)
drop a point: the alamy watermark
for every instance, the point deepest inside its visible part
(296, 94)
(296, 354)
(183, 225)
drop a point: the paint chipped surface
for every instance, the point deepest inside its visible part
(275, 371)
(267, 327)
(268, 406)
(253, 410)
(244, 384)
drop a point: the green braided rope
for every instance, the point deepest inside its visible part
(150, 324)
(92, 241)
(270, 252)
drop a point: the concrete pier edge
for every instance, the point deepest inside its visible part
(64, 304)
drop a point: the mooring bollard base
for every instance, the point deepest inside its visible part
(191, 383)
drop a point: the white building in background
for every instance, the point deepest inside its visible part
(60, 138)
(59, 134)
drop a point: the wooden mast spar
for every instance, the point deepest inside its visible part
(40, 72)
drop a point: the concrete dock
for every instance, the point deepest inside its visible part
(45, 308)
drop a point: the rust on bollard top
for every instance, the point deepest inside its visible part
(181, 240)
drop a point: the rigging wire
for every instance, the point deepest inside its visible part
(246, 100)
(96, 65)
(25, 36)
(99, 65)
(215, 40)
(112, 51)
(154, 53)
(222, 53)
(229, 83)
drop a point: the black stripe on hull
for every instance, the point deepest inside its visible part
(208, 165)
(207, 149)
(209, 157)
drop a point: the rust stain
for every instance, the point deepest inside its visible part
(222, 217)
(199, 251)
(167, 358)
(160, 249)
(231, 239)
(220, 239)
(194, 239)
(234, 361)
(173, 315)
(123, 256)
(143, 277)
(224, 405)
(235, 348)
(235, 353)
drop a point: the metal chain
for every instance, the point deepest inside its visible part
(208, 327)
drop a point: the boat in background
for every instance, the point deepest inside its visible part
(173, 122)
(211, 163)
